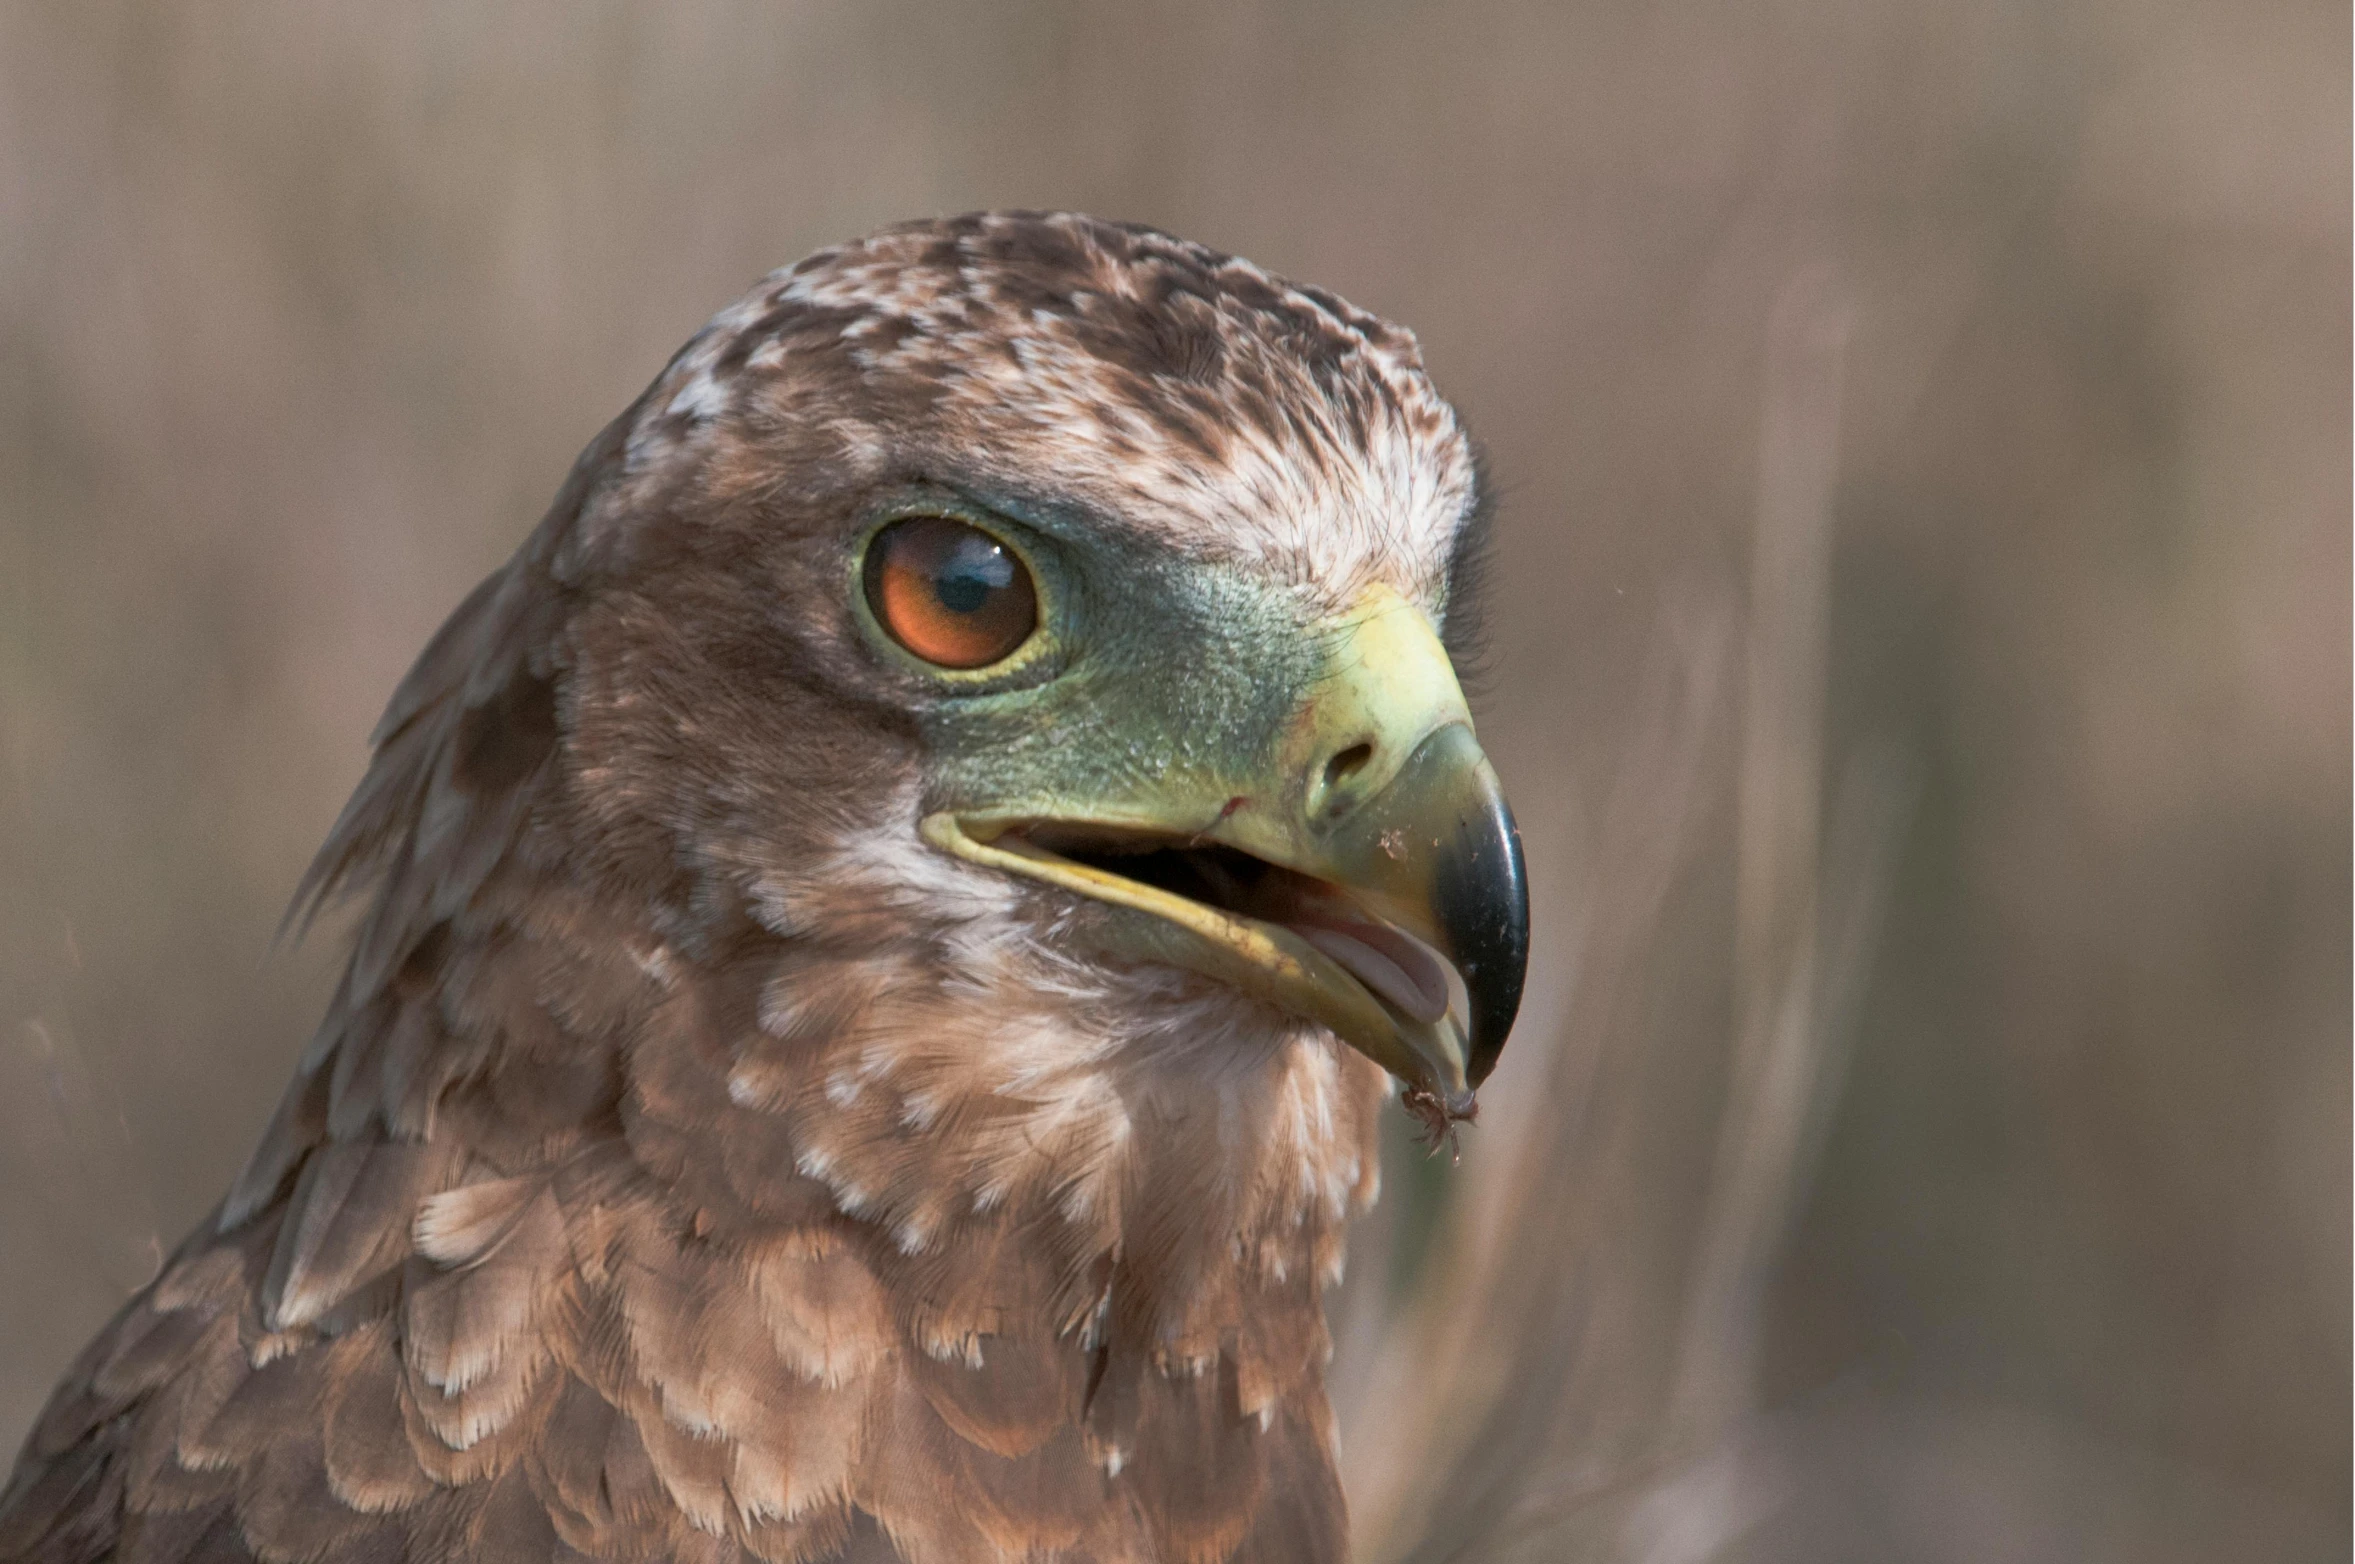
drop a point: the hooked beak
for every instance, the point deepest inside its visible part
(1369, 879)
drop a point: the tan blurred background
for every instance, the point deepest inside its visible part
(1921, 661)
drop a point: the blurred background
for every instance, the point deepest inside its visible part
(1919, 654)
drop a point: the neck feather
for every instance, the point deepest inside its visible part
(937, 1220)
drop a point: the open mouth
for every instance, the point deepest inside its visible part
(1400, 922)
(1396, 968)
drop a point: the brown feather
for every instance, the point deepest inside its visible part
(347, 1220)
(299, 1124)
(370, 1463)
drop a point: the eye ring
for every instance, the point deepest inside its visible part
(949, 593)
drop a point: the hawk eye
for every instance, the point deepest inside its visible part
(949, 592)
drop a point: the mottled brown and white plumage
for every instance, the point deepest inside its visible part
(695, 1163)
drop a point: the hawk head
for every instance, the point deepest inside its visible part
(1074, 595)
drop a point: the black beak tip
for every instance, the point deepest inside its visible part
(1484, 904)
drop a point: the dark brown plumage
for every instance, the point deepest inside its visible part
(695, 1163)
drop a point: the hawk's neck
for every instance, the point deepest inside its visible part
(739, 1242)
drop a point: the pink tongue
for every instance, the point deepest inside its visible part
(1395, 965)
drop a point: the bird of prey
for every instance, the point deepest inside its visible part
(881, 933)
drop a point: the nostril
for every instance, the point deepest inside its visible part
(1347, 764)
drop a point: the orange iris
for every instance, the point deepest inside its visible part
(950, 593)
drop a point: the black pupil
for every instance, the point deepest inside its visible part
(977, 568)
